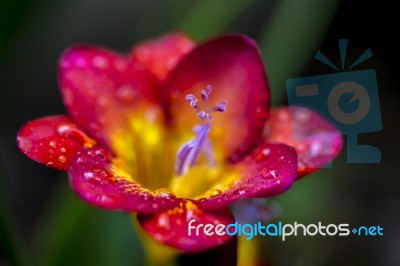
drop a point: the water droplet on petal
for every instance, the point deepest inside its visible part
(215, 192)
(202, 200)
(241, 191)
(165, 193)
(126, 93)
(62, 159)
(266, 173)
(52, 144)
(88, 175)
(266, 151)
(63, 150)
(100, 62)
(50, 163)
(273, 173)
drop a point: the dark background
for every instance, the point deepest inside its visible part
(43, 223)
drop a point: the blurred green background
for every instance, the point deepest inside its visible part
(43, 223)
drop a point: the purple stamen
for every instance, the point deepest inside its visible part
(206, 93)
(189, 153)
(221, 107)
(204, 115)
(192, 101)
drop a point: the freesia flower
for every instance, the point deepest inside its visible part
(175, 131)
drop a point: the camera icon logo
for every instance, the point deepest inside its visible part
(348, 99)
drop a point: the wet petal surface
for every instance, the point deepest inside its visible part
(316, 141)
(268, 171)
(232, 66)
(171, 227)
(94, 179)
(52, 140)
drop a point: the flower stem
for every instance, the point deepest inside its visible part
(156, 254)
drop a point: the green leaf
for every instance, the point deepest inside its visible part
(211, 17)
(74, 233)
(291, 39)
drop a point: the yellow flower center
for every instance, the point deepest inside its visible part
(153, 155)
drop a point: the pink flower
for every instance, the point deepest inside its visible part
(174, 132)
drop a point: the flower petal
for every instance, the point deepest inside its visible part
(99, 87)
(316, 141)
(93, 178)
(172, 227)
(233, 67)
(52, 140)
(268, 171)
(161, 55)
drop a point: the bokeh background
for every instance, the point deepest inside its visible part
(43, 223)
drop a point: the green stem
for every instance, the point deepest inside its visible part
(156, 254)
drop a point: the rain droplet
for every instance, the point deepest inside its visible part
(241, 191)
(100, 62)
(215, 192)
(165, 193)
(266, 151)
(126, 93)
(62, 159)
(266, 173)
(63, 150)
(52, 144)
(88, 175)
(50, 163)
(202, 200)
(273, 173)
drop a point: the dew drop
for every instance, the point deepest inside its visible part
(126, 93)
(50, 163)
(88, 175)
(240, 191)
(52, 144)
(273, 173)
(165, 193)
(100, 62)
(266, 151)
(63, 150)
(202, 200)
(62, 159)
(266, 173)
(215, 192)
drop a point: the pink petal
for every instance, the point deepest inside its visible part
(268, 171)
(316, 141)
(233, 67)
(99, 87)
(171, 227)
(93, 179)
(161, 55)
(52, 140)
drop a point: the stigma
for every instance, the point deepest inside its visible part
(189, 153)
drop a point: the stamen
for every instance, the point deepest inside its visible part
(206, 94)
(193, 101)
(190, 151)
(221, 107)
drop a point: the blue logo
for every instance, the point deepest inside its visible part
(349, 99)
